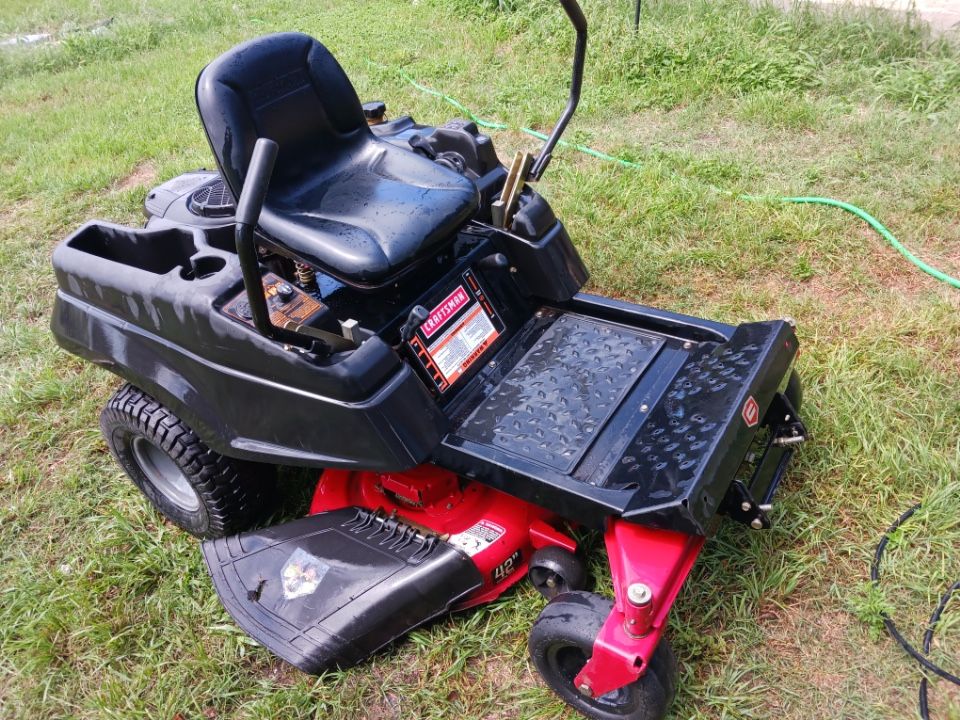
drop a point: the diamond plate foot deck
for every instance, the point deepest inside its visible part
(676, 453)
(552, 405)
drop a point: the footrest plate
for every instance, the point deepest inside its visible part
(330, 589)
(556, 400)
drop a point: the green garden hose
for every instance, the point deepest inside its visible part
(875, 224)
(872, 222)
(446, 98)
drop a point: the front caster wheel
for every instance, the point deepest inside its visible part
(554, 570)
(561, 642)
(205, 493)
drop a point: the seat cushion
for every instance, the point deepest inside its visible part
(367, 219)
(340, 198)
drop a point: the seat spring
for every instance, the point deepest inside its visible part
(306, 275)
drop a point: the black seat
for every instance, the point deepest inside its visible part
(340, 198)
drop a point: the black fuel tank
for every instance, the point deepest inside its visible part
(330, 589)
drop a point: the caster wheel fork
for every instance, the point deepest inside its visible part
(561, 642)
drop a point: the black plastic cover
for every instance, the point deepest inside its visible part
(161, 200)
(464, 138)
(146, 304)
(534, 216)
(330, 589)
(549, 266)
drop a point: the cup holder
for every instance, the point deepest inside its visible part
(202, 267)
(155, 251)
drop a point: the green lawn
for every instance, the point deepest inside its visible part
(106, 612)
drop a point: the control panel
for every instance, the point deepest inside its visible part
(286, 303)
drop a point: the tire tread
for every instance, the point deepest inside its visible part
(234, 500)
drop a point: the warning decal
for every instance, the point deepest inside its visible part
(301, 574)
(463, 343)
(456, 333)
(478, 538)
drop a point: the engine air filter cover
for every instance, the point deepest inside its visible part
(212, 199)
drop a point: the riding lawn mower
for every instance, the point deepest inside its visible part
(391, 304)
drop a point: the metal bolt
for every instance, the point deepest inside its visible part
(284, 291)
(792, 440)
(492, 363)
(551, 582)
(644, 407)
(687, 345)
(639, 594)
(538, 313)
(745, 506)
(585, 690)
(756, 524)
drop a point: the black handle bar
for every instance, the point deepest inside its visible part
(249, 206)
(579, 23)
(255, 185)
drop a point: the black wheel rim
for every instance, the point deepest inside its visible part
(547, 582)
(567, 661)
(164, 475)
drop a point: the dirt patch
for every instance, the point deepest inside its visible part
(17, 215)
(814, 647)
(944, 699)
(500, 672)
(278, 672)
(943, 250)
(143, 174)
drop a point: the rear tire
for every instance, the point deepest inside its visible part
(561, 642)
(196, 488)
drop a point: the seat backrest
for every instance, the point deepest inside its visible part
(286, 87)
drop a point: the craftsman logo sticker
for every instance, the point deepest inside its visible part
(751, 412)
(477, 538)
(444, 311)
(456, 333)
(301, 574)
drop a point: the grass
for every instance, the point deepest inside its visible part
(105, 612)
